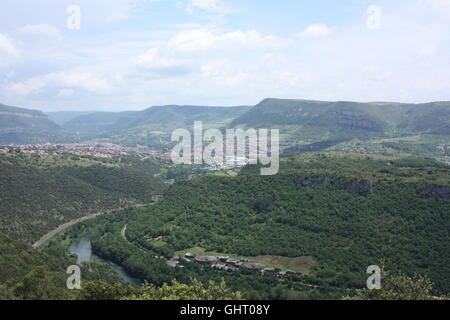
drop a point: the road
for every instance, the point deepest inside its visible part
(66, 225)
(122, 233)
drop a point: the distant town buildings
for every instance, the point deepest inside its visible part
(97, 150)
(232, 264)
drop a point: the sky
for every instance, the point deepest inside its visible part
(114, 55)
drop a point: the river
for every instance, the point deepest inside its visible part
(83, 250)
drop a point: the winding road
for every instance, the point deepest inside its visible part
(45, 238)
(122, 233)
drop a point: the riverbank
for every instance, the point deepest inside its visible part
(82, 248)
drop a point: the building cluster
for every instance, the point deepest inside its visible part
(98, 150)
(231, 264)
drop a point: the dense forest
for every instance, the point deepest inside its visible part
(27, 274)
(341, 213)
(40, 192)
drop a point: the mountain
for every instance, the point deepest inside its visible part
(135, 127)
(61, 117)
(376, 117)
(24, 126)
(387, 128)
(379, 127)
(305, 125)
(99, 123)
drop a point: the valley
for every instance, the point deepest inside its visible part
(240, 156)
(326, 215)
(355, 188)
(391, 129)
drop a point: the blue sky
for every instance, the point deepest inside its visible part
(132, 54)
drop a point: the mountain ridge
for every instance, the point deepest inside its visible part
(28, 126)
(390, 128)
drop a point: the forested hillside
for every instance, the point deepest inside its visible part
(392, 129)
(333, 214)
(157, 122)
(62, 117)
(40, 192)
(25, 126)
(386, 128)
(373, 117)
(26, 273)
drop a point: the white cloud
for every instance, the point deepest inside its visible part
(9, 51)
(39, 30)
(216, 6)
(87, 80)
(111, 10)
(24, 88)
(215, 10)
(66, 92)
(7, 46)
(195, 61)
(153, 59)
(201, 52)
(316, 30)
(237, 41)
(162, 65)
(435, 7)
(224, 72)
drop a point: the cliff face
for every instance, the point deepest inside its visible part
(435, 192)
(24, 126)
(362, 188)
(358, 187)
(23, 115)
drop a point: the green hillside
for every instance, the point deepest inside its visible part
(39, 193)
(26, 273)
(386, 128)
(24, 126)
(62, 117)
(391, 129)
(98, 123)
(383, 117)
(329, 215)
(148, 126)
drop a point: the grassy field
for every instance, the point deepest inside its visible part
(302, 264)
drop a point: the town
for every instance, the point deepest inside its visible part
(97, 150)
(110, 150)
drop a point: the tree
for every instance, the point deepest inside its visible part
(41, 284)
(399, 287)
(101, 290)
(180, 291)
